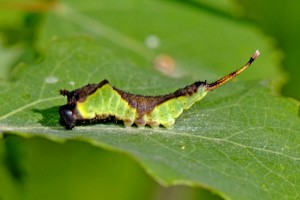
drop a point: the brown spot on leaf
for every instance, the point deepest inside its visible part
(165, 64)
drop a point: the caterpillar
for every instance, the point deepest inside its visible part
(102, 101)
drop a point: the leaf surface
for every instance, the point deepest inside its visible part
(240, 141)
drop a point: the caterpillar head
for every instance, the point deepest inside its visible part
(68, 112)
(67, 117)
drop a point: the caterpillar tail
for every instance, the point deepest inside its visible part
(225, 79)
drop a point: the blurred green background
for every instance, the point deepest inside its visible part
(280, 20)
(22, 38)
(40, 169)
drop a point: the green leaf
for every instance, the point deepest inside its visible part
(192, 36)
(268, 19)
(68, 171)
(240, 141)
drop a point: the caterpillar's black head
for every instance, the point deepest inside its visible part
(67, 112)
(67, 118)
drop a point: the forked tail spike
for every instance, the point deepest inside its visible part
(225, 79)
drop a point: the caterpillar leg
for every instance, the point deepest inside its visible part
(169, 124)
(140, 122)
(153, 124)
(128, 123)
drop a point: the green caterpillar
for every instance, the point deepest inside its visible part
(101, 101)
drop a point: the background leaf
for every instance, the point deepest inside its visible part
(276, 21)
(192, 34)
(188, 34)
(240, 141)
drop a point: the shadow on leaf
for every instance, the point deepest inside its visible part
(50, 116)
